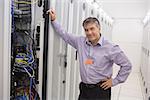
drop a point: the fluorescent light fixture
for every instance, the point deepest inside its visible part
(89, 1)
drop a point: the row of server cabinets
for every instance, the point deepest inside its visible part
(145, 58)
(38, 64)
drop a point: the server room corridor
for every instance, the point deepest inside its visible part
(130, 90)
(48, 51)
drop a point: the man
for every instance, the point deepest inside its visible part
(96, 57)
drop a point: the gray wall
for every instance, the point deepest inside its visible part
(1, 47)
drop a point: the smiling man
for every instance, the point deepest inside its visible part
(96, 57)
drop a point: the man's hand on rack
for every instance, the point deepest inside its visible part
(52, 14)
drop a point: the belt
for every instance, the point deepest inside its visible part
(92, 85)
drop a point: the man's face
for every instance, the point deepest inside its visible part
(92, 32)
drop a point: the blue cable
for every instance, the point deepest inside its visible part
(24, 97)
(21, 98)
(35, 97)
(12, 13)
(30, 87)
(30, 57)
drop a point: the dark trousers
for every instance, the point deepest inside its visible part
(93, 92)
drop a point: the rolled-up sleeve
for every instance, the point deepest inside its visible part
(119, 58)
(67, 37)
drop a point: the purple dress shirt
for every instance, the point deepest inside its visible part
(104, 54)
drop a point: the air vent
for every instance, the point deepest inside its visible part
(71, 1)
(98, 16)
(92, 12)
(146, 90)
(83, 6)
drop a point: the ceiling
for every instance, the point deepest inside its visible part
(125, 8)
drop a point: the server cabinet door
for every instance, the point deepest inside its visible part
(1, 46)
(25, 50)
(57, 57)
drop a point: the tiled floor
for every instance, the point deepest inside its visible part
(130, 90)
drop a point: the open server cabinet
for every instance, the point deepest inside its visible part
(26, 48)
(29, 48)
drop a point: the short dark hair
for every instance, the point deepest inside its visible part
(91, 20)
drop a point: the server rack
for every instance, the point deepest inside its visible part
(27, 50)
(24, 61)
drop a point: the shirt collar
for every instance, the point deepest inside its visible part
(99, 43)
